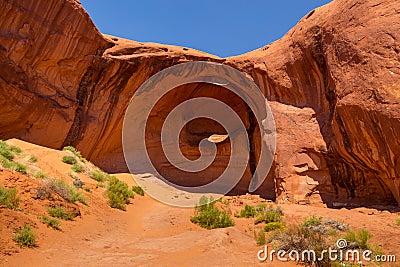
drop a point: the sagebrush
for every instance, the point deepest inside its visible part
(118, 193)
(69, 160)
(209, 216)
(25, 236)
(9, 198)
(61, 213)
(66, 191)
(75, 152)
(53, 223)
(77, 167)
(7, 155)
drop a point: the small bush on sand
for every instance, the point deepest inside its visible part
(19, 167)
(75, 152)
(65, 190)
(69, 160)
(311, 234)
(268, 215)
(33, 159)
(42, 192)
(61, 213)
(209, 216)
(98, 176)
(70, 148)
(312, 221)
(296, 237)
(78, 183)
(86, 188)
(53, 223)
(138, 190)
(261, 206)
(15, 149)
(360, 237)
(7, 154)
(248, 212)
(8, 151)
(100, 184)
(118, 193)
(12, 165)
(5, 162)
(77, 167)
(9, 198)
(398, 221)
(39, 174)
(260, 237)
(272, 226)
(25, 237)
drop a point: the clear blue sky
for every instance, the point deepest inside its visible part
(219, 27)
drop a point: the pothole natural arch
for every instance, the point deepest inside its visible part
(204, 128)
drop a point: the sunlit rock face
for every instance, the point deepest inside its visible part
(333, 83)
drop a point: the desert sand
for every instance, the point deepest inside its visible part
(150, 233)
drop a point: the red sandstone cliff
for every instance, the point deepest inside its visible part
(333, 83)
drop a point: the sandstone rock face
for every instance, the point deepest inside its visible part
(333, 83)
(340, 67)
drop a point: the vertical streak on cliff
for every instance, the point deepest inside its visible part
(127, 69)
(84, 95)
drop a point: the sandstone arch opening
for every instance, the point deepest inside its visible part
(199, 129)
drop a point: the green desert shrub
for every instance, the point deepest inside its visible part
(261, 206)
(299, 238)
(77, 196)
(15, 149)
(248, 212)
(118, 193)
(70, 148)
(77, 167)
(398, 221)
(311, 234)
(9, 198)
(138, 190)
(98, 176)
(39, 174)
(7, 155)
(69, 160)
(5, 162)
(260, 237)
(268, 215)
(78, 183)
(8, 151)
(53, 223)
(209, 216)
(361, 237)
(86, 188)
(66, 191)
(100, 184)
(312, 221)
(25, 237)
(272, 226)
(61, 213)
(75, 152)
(19, 167)
(33, 159)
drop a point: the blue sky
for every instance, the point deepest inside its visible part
(223, 28)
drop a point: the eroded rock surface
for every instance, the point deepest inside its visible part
(333, 82)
